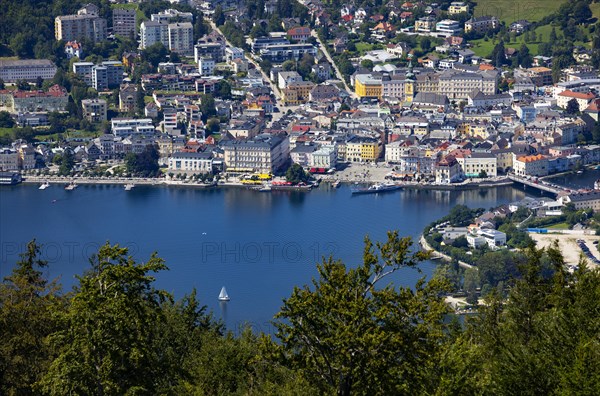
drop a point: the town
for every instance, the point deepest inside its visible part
(189, 91)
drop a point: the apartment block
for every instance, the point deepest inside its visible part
(94, 110)
(124, 22)
(85, 25)
(26, 69)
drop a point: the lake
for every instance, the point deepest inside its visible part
(258, 245)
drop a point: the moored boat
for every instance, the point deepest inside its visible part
(44, 186)
(129, 187)
(71, 186)
(377, 188)
(336, 184)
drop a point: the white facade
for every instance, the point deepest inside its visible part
(325, 157)
(9, 159)
(128, 126)
(206, 66)
(26, 69)
(181, 38)
(191, 162)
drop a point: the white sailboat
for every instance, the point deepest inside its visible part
(223, 296)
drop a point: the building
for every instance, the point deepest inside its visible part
(263, 154)
(458, 7)
(206, 66)
(233, 53)
(482, 24)
(55, 99)
(302, 154)
(324, 157)
(279, 53)
(170, 15)
(448, 26)
(74, 49)
(198, 163)
(474, 164)
(82, 26)
(583, 99)
(425, 24)
(108, 75)
(284, 78)
(26, 69)
(297, 93)
(540, 75)
(458, 84)
(181, 38)
(448, 170)
(368, 86)
(94, 110)
(130, 126)
(530, 165)
(362, 149)
(584, 200)
(124, 22)
(9, 159)
(127, 98)
(152, 32)
(483, 236)
(299, 33)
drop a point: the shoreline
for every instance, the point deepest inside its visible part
(439, 255)
(469, 185)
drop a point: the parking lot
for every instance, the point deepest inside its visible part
(569, 246)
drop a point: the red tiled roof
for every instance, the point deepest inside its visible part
(577, 95)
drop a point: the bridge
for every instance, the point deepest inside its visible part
(537, 184)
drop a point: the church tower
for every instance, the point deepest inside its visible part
(409, 84)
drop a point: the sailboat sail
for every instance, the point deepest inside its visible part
(223, 295)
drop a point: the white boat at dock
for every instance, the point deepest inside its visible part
(223, 296)
(44, 186)
(336, 184)
(71, 187)
(377, 188)
(129, 187)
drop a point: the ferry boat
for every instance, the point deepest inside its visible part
(71, 186)
(44, 186)
(129, 187)
(377, 188)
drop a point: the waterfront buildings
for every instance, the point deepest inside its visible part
(193, 162)
(264, 154)
(26, 69)
(530, 165)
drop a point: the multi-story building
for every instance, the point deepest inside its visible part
(124, 22)
(286, 77)
(584, 200)
(127, 97)
(55, 99)
(152, 32)
(129, 126)
(201, 162)
(181, 38)
(84, 70)
(280, 53)
(448, 26)
(425, 24)
(9, 159)
(83, 26)
(324, 157)
(297, 92)
(582, 99)
(233, 53)
(299, 33)
(458, 7)
(368, 86)
(474, 164)
(100, 78)
(362, 149)
(458, 85)
(74, 49)
(447, 170)
(169, 15)
(530, 165)
(264, 154)
(26, 69)
(94, 110)
(482, 24)
(206, 66)
(540, 75)
(215, 50)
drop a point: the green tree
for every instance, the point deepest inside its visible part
(572, 106)
(28, 307)
(144, 164)
(6, 120)
(66, 164)
(112, 322)
(218, 16)
(155, 54)
(296, 174)
(367, 64)
(425, 43)
(350, 334)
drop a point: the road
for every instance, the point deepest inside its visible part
(339, 75)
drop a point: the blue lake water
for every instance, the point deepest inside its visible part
(258, 245)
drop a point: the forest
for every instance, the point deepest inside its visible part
(350, 332)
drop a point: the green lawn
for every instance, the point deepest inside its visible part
(484, 48)
(513, 10)
(361, 47)
(559, 226)
(595, 7)
(5, 131)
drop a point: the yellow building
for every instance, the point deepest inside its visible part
(458, 7)
(362, 149)
(409, 84)
(366, 86)
(297, 92)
